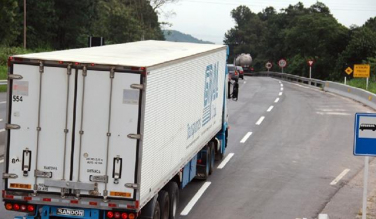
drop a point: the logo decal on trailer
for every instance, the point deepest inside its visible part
(210, 92)
(210, 95)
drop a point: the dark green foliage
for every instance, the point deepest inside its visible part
(59, 24)
(9, 27)
(299, 34)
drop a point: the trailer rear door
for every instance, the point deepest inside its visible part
(107, 115)
(41, 108)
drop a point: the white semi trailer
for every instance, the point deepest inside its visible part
(112, 131)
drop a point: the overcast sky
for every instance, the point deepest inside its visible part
(210, 19)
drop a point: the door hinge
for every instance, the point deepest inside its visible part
(137, 86)
(10, 176)
(134, 136)
(131, 185)
(14, 77)
(12, 126)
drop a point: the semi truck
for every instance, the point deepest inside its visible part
(245, 61)
(114, 131)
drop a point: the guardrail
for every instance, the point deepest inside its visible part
(357, 94)
(3, 82)
(289, 77)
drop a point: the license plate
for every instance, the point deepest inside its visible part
(70, 212)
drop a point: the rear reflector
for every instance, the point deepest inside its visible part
(28, 198)
(93, 203)
(46, 199)
(112, 205)
(30, 208)
(10, 59)
(74, 201)
(9, 206)
(124, 216)
(110, 214)
(9, 196)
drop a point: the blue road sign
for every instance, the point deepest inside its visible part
(365, 134)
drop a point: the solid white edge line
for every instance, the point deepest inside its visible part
(2, 161)
(276, 100)
(246, 136)
(339, 177)
(2, 130)
(270, 109)
(3, 102)
(280, 94)
(260, 120)
(195, 198)
(225, 161)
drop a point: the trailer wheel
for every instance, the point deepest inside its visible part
(151, 210)
(157, 211)
(211, 157)
(164, 203)
(173, 192)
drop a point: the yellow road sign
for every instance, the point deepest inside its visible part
(361, 71)
(348, 70)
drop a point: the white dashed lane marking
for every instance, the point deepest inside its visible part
(225, 161)
(195, 198)
(244, 139)
(260, 120)
(270, 109)
(276, 100)
(339, 177)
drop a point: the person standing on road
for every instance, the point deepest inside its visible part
(235, 90)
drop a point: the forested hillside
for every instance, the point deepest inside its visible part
(176, 36)
(298, 33)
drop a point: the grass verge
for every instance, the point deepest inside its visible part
(361, 83)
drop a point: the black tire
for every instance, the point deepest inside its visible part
(173, 192)
(211, 157)
(164, 203)
(218, 155)
(157, 211)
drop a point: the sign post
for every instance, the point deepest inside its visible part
(364, 141)
(348, 71)
(268, 65)
(282, 63)
(310, 63)
(362, 71)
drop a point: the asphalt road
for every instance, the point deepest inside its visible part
(286, 167)
(296, 148)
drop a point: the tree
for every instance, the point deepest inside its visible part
(9, 28)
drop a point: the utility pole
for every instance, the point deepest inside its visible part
(24, 24)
